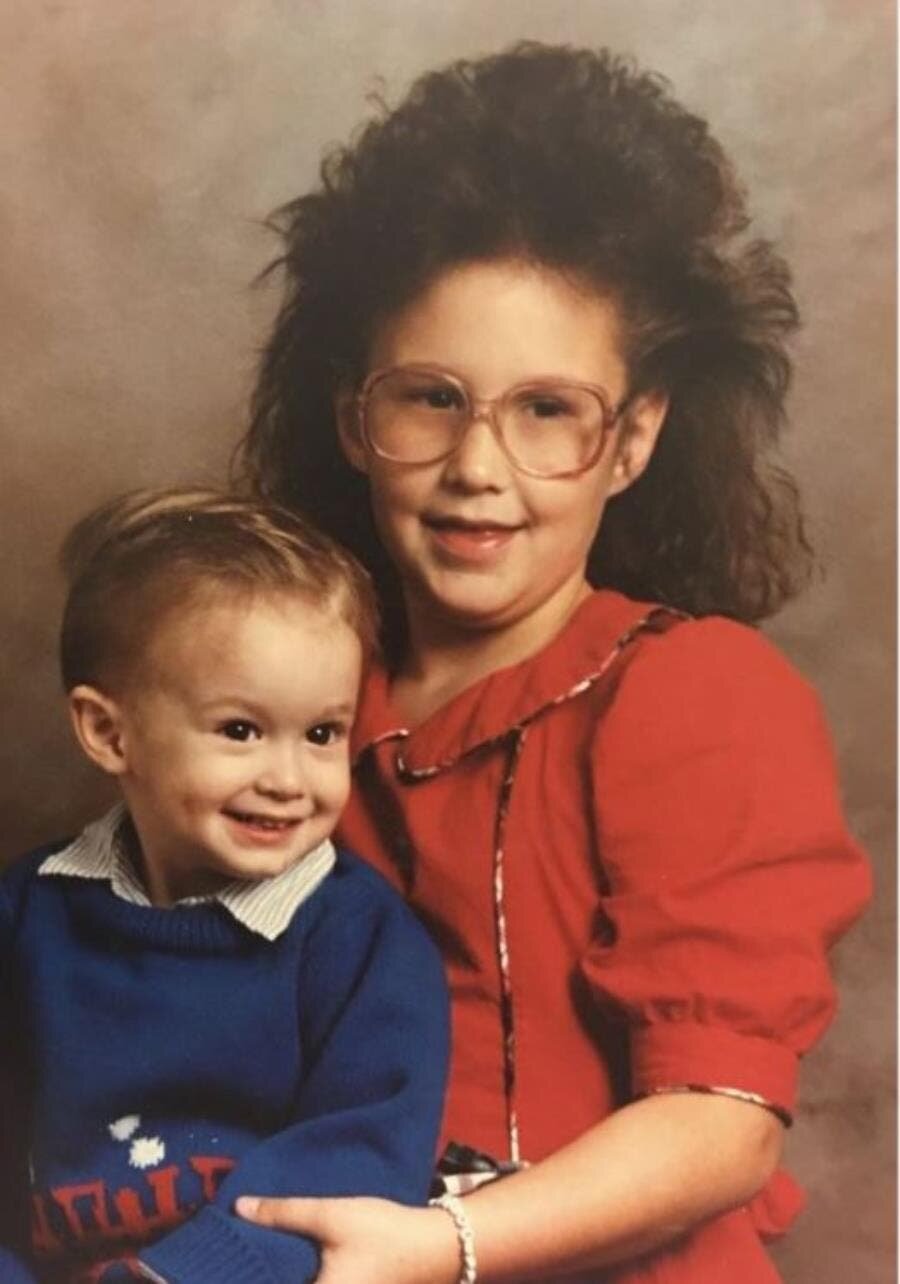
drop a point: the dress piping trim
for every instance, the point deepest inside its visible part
(719, 1090)
(515, 736)
(507, 1007)
(645, 623)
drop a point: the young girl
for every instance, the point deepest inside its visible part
(520, 303)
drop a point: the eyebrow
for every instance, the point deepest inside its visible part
(342, 708)
(230, 702)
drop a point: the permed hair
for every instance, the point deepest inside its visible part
(142, 556)
(576, 160)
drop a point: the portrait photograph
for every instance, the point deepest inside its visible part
(442, 284)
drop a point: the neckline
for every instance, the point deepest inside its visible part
(204, 928)
(590, 640)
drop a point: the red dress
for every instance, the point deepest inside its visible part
(631, 852)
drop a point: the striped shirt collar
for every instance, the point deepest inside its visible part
(265, 907)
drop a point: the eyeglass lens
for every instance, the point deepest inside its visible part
(547, 427)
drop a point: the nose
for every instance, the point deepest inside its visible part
(479, 461)
(281, 775)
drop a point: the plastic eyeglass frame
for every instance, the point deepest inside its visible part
(486, 408)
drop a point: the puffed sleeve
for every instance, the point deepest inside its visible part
(730, 869)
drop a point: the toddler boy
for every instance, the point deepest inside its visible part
(201, 996)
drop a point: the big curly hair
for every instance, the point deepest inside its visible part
(577, 160)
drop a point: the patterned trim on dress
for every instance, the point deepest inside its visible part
(644, 624)
(718, 1090)
(516, 735)
(395, 733)
(507, 1015)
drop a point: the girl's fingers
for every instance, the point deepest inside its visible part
(364, 1240)
(304, 1216)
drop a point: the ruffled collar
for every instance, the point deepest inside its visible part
(508, 698)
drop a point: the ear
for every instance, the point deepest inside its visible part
(642, 423)
(97, 721)
(346, 415)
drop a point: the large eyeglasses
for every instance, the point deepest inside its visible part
(546, 427)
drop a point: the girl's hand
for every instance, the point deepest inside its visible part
(366, 1241)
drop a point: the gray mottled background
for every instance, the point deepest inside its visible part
(142, 143)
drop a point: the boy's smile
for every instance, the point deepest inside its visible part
(234, 747)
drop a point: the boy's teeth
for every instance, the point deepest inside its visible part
(266, 822)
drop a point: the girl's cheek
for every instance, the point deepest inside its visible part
(389, 509)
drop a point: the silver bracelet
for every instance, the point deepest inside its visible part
(453, 1206)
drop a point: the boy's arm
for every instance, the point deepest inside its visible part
(372, 1008)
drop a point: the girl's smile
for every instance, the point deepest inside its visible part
(479, 543)
(469, 539)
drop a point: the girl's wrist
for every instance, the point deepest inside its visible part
(453, 1206)
(445, 1254)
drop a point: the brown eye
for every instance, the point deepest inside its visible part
(548, 403)
(440, 397)
(546, 408)
(240, 730)
(326, 733)
(424, 393)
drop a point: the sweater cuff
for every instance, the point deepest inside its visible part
(213, 1248)
(686, 1056)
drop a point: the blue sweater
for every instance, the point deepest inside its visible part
(163, 1061)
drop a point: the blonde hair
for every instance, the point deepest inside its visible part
(135, 559)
